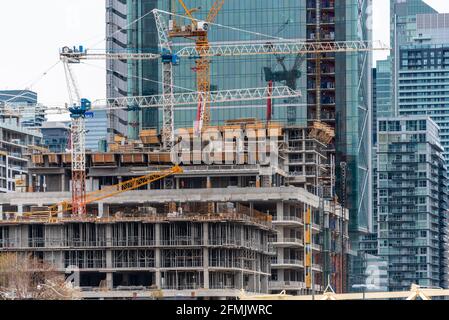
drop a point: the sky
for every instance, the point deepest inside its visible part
(33, 31)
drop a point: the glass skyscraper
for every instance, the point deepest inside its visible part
(413, 202)
(403, 15)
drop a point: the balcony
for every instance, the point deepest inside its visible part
(287, 263)
(317, 267)
(288, 221)
(288, 242)
(286, 285)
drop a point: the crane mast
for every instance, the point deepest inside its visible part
(78, 108)
(168, 60)
(199, 30)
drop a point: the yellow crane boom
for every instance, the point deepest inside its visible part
(202, 67)
(132, 184)
(111, 191)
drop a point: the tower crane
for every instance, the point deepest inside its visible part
(199, 31)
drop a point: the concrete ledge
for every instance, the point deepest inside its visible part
(148, 294)
(181, 195)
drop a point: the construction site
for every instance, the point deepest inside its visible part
(196, 212)
(206, 232)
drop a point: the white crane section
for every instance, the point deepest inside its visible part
(281, 48)
(226, 49)
(75, 55)
(168, 114)
(191, 98)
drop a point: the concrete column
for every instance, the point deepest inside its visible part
(206, 255)
(23, 236)
(264, 284)
(30, 182)
(109, 262)
(108, 235)
(238, 279)
(208, 183)
(103, 210)
(60, 211)
(1, 212)
(110, 280)
(20, 210)
(157, 256)
(100, 209)
(178, 185)
(280, 209)
(280, 274)
(258, 284)
(252, 283)
(63, 188)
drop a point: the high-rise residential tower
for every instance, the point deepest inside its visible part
(403, 29)
(412, 201)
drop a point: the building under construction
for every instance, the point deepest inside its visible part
(208, 232)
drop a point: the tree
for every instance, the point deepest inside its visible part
(23, 277)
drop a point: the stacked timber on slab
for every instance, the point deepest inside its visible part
(148, 150)
(322, 132)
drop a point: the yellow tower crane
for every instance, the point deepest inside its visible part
(199, 30)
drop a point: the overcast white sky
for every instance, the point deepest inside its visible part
(32, 31)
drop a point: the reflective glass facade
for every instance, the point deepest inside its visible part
(383, 88)
(278, 19)
(96, 129)
(117, 70)
(353, 113)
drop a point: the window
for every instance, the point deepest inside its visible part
(422, 125)
(412, 126)
(394, 126)
(382, 126)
